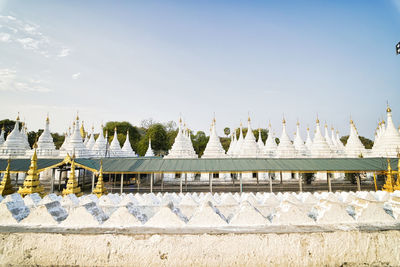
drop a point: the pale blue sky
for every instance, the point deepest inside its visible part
(132, 60)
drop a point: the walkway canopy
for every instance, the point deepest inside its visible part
(159, 165)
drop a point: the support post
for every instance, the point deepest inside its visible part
(162, 182)
(329, 182)
(358, 183)
(257, 173)
(180, 183)
(83, 179)
(53, 176)
(280, 175)
(210, 175)
(151, 182)
(300, 182)
(122, 183)
(270, 183)
(241, 183)
(93, 177)
(59, 180)
(376, 187)
(16, 179)
(138, 183)
(185, 181)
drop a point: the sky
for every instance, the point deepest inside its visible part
(135, 60)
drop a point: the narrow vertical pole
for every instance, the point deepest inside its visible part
(358, 183)
(122, 183)
(376, 188)
(151, 182)
(93, 177)
(280, 175)
(180, 183)
(257, 178)
(300, 182)
(53, 176)
(270, 183)
(138, 183)
(162, 182)
(83, 179)
(185, 181)
(329, 182)
(59, 180)
(16, 179)
(210, 175)
(241, 183)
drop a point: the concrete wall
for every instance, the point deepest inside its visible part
(295, 249)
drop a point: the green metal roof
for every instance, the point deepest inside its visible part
(149, 165)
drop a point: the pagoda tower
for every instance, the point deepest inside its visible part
(14, 144)
(101, 145)
(127, 150)
(389, 141)
(354, 148)
(115, 146)
(249, 148)
(100, 189)
(320, 148)
(6, 187)
(31, 183)
(298, 142)
(72, 184)
(214, 148)
(285, 148)
(45, 143)
(239, 143)
(149, 152)
(270, 144)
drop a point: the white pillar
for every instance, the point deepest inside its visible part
(122, 183)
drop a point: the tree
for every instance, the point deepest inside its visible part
(122, 128)
(147, 123)
(171, 135)
(170, 126)
(199, 141)
(227, 131)
(225, 142)
(159, 140)
(264, 133)
(8, 126)
(368, 143)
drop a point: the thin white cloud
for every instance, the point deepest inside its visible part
(10, 81)
(64, 52)
(76, 76)
(29, 37)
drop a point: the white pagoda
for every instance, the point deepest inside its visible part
(249, 148)
(149, 152)
(285, 148)
(320, 148)
(45, 143)
(127, 150)
(14, 145)
(354, 148)
(298, 142)
(214, 148)
(74, 145)
(115, 147)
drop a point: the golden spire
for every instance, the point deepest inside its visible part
(47, 118)
(317, 121)
(298, 123)
(72, 184)
(6, 187)
(31, 183)
(77, 116)
(100, 190)
(283, 120)
(388, 186)
(18, 116)
(388, 109)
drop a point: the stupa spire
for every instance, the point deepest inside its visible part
(100, 189)
(31, 183)
(72, 184)
(149, 152)
(6, 187)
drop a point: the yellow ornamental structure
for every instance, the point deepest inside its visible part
(397, 185)
(72, 184)
(388, 186)
(6, 187)
(100, 190)
(31, 183)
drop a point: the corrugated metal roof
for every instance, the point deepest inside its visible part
(148, 165)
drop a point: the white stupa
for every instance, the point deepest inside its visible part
(249, 148)
(127, 150)
(214, 148)
(354, 148)
(320, 148)
(14, 144)
(328, 139)
(2, 140)
(260, 142)
(45, 143)
(298, 142)
(149, 152)
(115, 147)
(309, 142)
(91, 142)
(270, 144)
(285, 148)
(239, 142)
(75, 145)
(180, 148)
(339, 142)
(232, 144)
(100, 147)
(389, 141)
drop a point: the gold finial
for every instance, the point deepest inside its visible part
(298, 123)
(77, 115)
(248, 119)
(308, 129)
(388, 109)
(317, 121)
(180, 120)
(6, 187)
(47, 118)
(388, 186)
(18, 116)
(283, 120)
(241, 124)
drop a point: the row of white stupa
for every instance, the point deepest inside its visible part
(17, 144)
(386, 144)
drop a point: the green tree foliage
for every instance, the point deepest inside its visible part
(199, 142)
(227, 131)
(171, 135)
(225, 142)
(368, 143)
(58, 139)
(159, 140)
(122, 128)
(264, 133)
